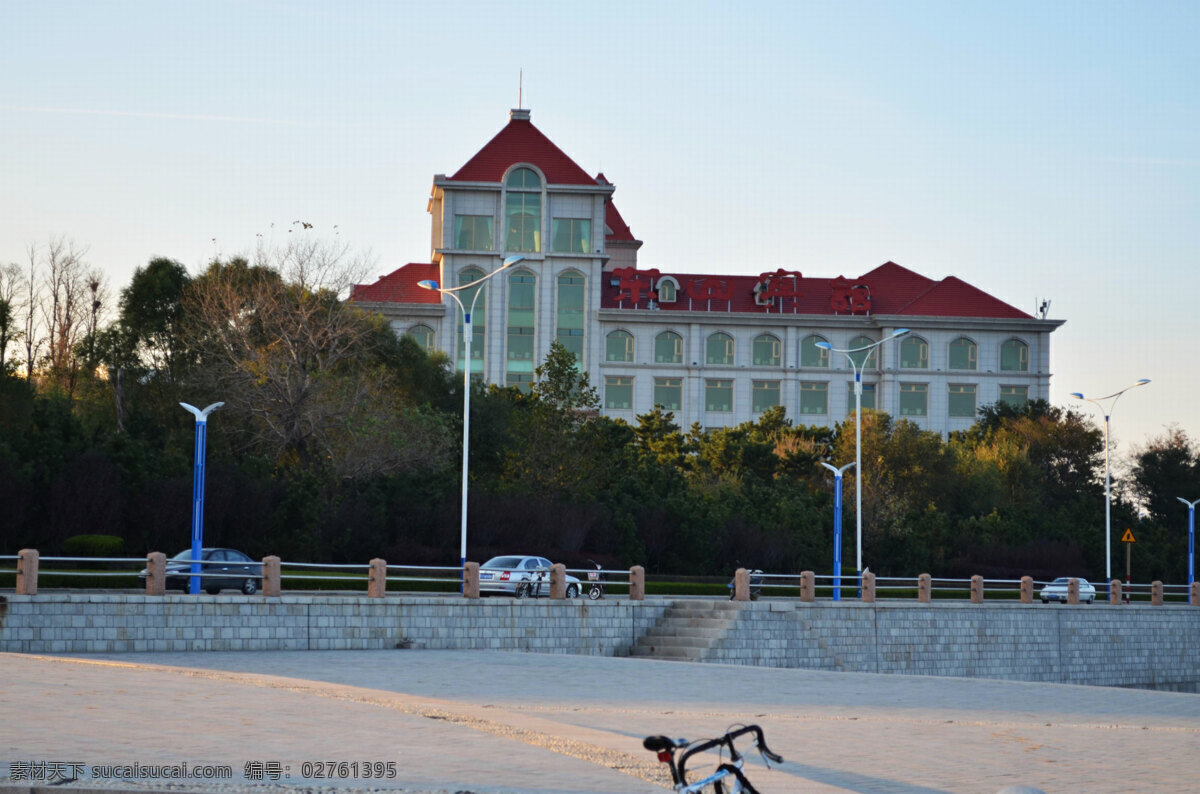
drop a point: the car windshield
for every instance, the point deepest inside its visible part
(502, 562)
(186, 555)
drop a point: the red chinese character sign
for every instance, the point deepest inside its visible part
(633, 282)
(708, 289)
(849, 297)
(781, 284)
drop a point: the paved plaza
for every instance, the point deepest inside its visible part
(478, 721)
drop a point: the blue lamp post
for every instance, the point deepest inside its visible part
(1191, 538)
(198, 491)
(837, 526)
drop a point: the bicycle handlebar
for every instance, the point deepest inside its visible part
(663, 744)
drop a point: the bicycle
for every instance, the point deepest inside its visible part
(728, 777)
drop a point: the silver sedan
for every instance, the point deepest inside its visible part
(521, 576)
(1057, 591)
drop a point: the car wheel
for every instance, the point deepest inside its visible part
(250, 586)
(572, 591)
(212, 590)
(1091, 600)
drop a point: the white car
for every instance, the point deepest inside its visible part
(1057, 590)
(521, 576)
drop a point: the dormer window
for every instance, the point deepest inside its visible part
(667, 289)
(523, 211)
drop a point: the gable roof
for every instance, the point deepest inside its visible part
(521, 142)
(400, 286)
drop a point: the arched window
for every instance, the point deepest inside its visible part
(523, 211)
(422, 335)
(478, 321)
(964, 354)
(811, 355)
(914, 353)
(871, 359)
(667, 288)
(668, 348)
(522, 288)
(1014, 356)
(719, 349)
(619, 346)
(768, 351)
(571, 314)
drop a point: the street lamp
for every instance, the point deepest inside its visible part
(467, 333)
(1191, 538)
(858, 370)
(1107, 473)
(198, 492)
(837, 526)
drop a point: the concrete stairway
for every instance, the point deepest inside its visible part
(687, 630)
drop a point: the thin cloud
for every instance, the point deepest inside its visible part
(153, 115)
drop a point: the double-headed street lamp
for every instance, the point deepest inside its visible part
(467, 333)
(858, 370)
(1191, 538)
(198, 492)
(837, 526)
(1107, 412)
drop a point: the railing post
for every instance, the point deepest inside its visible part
(1194, 594)
(868, 588)
(976, 589)
(272, 581)
(1026, 589)
(1156, 593)
(377, 579)
(27, 572)
(637, 583)
(1072, 591)
(741, 585)
(156, 573)
(558, 581)
(808, 586)
(924, 588)
(471, 580)
(1114, 591)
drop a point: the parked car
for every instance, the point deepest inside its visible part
(1057, 590)
(520, 576)
(227, 569)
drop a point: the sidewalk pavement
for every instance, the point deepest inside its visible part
(480, 721)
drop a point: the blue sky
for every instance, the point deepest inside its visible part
(1037, 150)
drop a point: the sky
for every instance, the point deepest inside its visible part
(1040, 151)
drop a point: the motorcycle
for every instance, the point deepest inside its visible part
(756, 582)
(595, 582)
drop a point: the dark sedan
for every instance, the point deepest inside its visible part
(221, 569)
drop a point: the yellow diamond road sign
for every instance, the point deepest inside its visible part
(1128, 536)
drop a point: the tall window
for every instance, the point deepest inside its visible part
(814, 398)
(1014, 395)
(570, 314)
(422, 335)
(914, 353)
(719, 349)
(765, 395)
(768, 351)
(869, 355)
(473, 232)
(523, 211)
(478, 321)
(718, 395)
(868, 397)
(619, 346)
(522, 287)
(811, 355)
(1014, 356)
(618, 392)
(668, 392)
(961, 400)
(668, 348)
(914, 399)
(963, 354)
(571, 235)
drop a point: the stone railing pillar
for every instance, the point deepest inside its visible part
(558, 581)
(1072, 591)
(924, 588)
(156, 573)
(808, 586)
(868, 588)
(1156, 593)
(1194, 594)
(471, 580)
(377, 579)
(27, 572)
(272, 580)
(741, 585)
(637, 583)
(1114, 591)
(976, 589)
(1026, 589)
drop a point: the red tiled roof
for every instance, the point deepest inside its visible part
(400, 286)
(614, 221)
(521, 142)
(952, 297)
